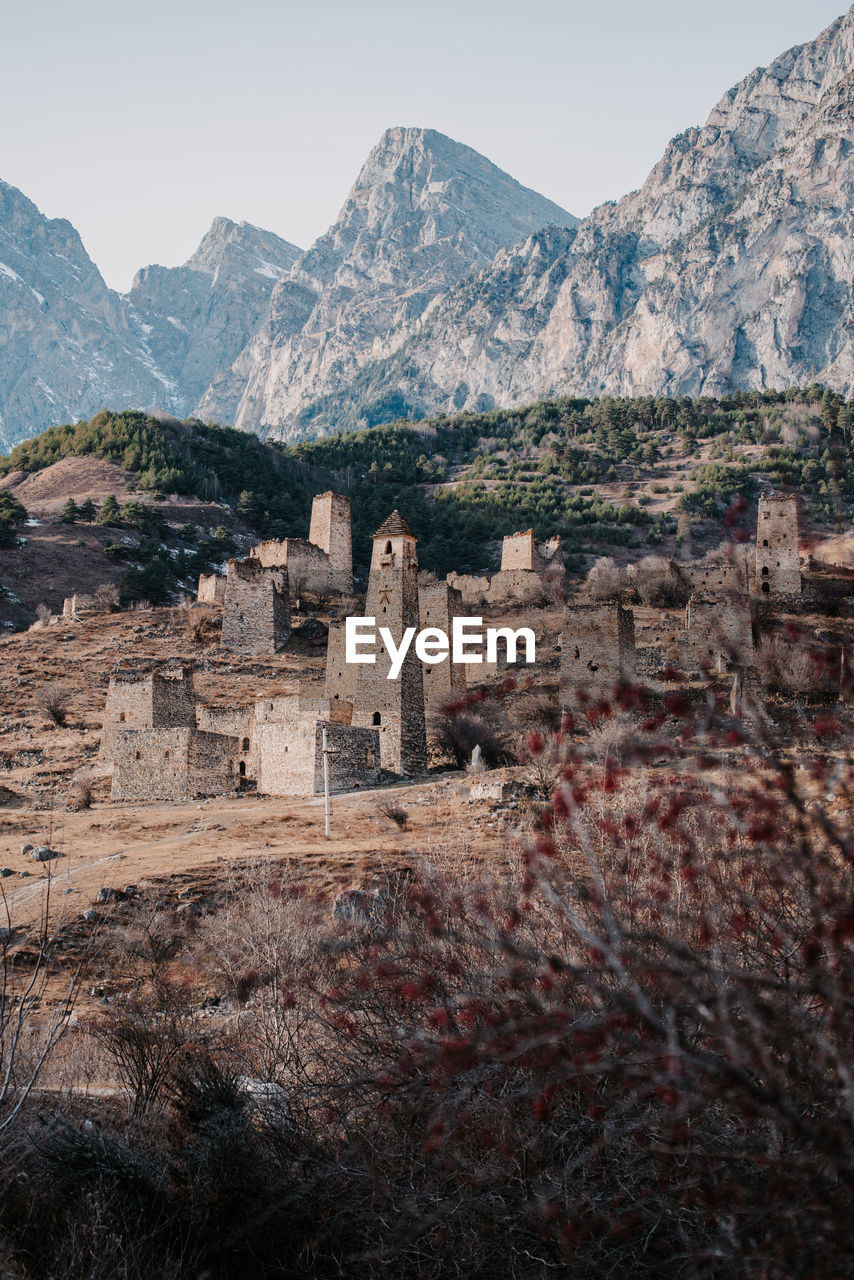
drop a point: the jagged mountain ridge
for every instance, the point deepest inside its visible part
(424, 212)
(70, 345)
(730, 268)
(195, 319)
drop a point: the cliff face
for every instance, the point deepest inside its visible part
(195, 319)
(424, 213)
(69, 345)
(65, 342)
(445, 285)
(730, 268)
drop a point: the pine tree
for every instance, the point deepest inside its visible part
(88, 511)
(70, 512)
(110, 513)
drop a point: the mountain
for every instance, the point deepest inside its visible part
(70, 345)
(66, 342)
(195, 319)
(423, 214)
(731, 268)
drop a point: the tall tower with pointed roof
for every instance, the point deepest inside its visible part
(395, 707)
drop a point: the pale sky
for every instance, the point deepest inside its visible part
(139, 122)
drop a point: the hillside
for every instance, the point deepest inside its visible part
(611, 477)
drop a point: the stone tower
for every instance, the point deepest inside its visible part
(162, 698)
(597, 651)
(444, 682)
(395, 707)
(256, 614)
(777, 567)
(330, 530)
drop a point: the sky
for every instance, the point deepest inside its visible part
(140, 122)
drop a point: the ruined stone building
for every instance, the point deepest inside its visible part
(211, 588)
(322, 562)
(237, 723)
(340, 675)
(152, 698)
(713, 576)
(523, 551)
(444, 682)
(172, 764)
(394, 707)
(718, 635)
(597, 651)
(777, 565)
(289, 736)
(528, 567)
(256, 615)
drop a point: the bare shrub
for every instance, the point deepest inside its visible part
(457, 730)
(398, 816)
(799, 667)
(605, 581)
(107, 598)
(55, 702)
(44, 614)
(81, 794)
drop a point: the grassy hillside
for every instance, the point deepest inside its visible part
(605, 474)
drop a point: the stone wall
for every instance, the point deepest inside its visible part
(78, 605)
(256, 614)
(523, 551)
(444, 682)
(718, 634)
(211, 588)
(777, 564)
(291, 748)
(597, 650)
(237, 723)
(716, 577)
(147, 699)
(340, 675)
(508, 586)
(330, 530)
(323, 561)
(172, 764)
(394, 707)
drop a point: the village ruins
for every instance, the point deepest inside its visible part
(162, 743)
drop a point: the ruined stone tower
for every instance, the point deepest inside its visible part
(777, 567)
(330, 530)
(444, 681)
(395, 707)
(597, 651)
(147, 699)
(256, 615)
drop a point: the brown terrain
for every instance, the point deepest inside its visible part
(55, 559)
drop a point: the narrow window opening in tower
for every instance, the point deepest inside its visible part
(377, 718)
(388, 548)
(765, 542)
(242, 768)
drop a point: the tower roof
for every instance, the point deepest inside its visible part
(393, 526)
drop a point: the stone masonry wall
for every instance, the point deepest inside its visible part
(211, 588)
(777, 566)
(395, 707)
(237, 723)
(163, 698)
(340, 675)
(256, 614)
(330, 530)
(597, 650)
(438, 605)
(171, 764)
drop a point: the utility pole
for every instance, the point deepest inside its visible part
(325, 750)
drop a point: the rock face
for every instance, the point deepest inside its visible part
(70, 345)
(424, 213)
(445, 285)
(67, 347)
(732, 267)
(195, 319)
